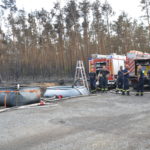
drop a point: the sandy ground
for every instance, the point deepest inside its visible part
(102, 122)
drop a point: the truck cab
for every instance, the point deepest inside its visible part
(145, 63)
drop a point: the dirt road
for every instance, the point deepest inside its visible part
(103, 122)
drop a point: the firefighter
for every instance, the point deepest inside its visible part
(120, 80)
(148, 76)
(126, 81)
(140, 84)
(103, 79)
(92, 76)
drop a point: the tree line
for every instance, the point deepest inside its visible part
(47, 44)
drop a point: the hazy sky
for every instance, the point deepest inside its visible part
(132, 7)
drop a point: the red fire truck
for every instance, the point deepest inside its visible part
(112, 63)
(135, 58)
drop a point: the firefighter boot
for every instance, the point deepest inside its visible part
(128, 93)
(123, 93)
(105, 90)
(93, 91)
(98, 89)
(137, 94)
(102, 90)
(141, 93)
(117, 90)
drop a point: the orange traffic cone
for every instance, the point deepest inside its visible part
(42, 103)
(60, 97)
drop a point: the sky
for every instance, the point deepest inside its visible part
(132, 7)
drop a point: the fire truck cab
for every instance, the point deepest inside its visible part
(112, 63)
(145, 63)
(134, 59)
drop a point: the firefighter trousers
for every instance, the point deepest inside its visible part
(125, 84)
(140, 86)
(120, 84)
(100, 86)
(93, 85)
(103, 82)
